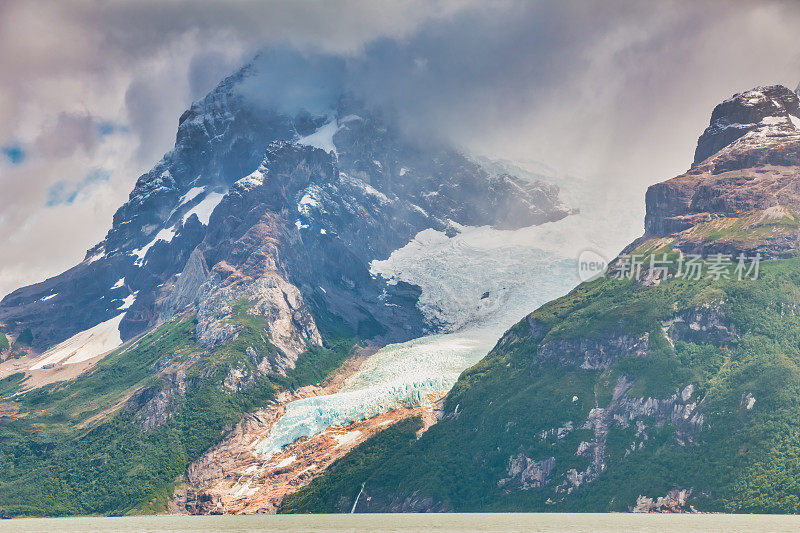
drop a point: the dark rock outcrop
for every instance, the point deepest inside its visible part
(744, 113)
(594, 353)
(416, 502)
(154, 406)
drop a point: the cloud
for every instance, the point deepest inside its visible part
(88, 85)
(592, 88)
(67, 133)
(66, 193)
(291, 80)
(617, 90)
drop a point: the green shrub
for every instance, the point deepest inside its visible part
(337, 490)
(25, 338)
(79, 447)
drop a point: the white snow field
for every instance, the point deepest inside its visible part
(520, 270)
(85, 345)
(204, 209)
(323, 137)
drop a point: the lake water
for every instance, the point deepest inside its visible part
(615, 523)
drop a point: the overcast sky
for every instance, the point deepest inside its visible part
(90, 92)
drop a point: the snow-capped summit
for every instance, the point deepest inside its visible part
(284, 209)
(751, 120)
(745, 173)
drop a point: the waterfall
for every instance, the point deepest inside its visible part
(353, 510)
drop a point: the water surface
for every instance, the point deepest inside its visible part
(612, 523)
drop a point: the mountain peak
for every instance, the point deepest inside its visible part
(254, 195)
(740, 194)
(758, 115)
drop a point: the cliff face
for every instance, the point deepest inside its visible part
(744, 178)
(653, 394)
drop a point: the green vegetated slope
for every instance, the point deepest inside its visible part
(338, 489)
(19, 347)
(614, 391)
(115, 440)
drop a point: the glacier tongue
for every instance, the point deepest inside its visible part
(406, 374)
(475, 285)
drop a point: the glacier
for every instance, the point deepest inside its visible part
(475, 285)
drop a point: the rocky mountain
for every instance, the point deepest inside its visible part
(743, 178)
(650, 391)
(286, 210)
(237, 274)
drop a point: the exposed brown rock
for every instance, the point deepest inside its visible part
(236, 479)
(233, 478)
(743, 191)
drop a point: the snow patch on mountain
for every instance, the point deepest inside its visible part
(204, 209)
(310, 200)
(256, 179)
(96, 257)
(93, 342)
(323, 137)
(190, 195)
(166, 235)
(127, 302)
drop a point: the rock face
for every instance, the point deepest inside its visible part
(743, 178)
(594, 354)
(282, 211)
(525, 473)
(675, 501)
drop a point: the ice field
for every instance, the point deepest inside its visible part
(520, 270)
